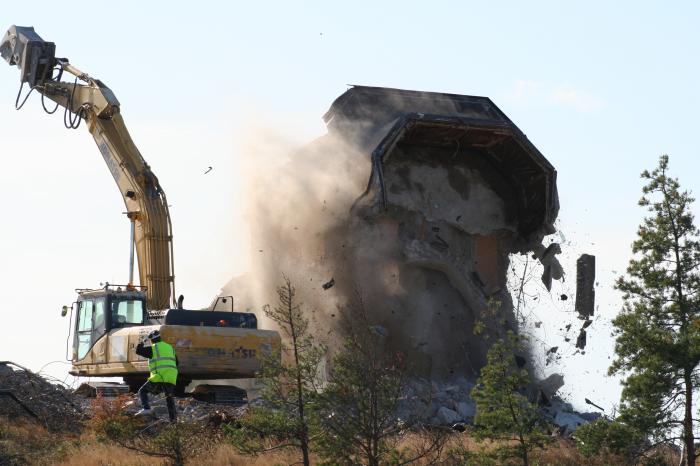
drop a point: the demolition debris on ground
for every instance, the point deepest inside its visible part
(53, 404)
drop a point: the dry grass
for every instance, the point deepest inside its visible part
(95, 454)
(226, 455)
(29, 443)
(26, 442)
(564, 453)
(91, 453)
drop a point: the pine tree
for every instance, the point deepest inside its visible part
(503, 412)
(658, 330)
(292, 381)
(358, 406)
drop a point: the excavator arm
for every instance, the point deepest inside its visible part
(90, 100)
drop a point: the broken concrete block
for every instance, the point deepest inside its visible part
(585, 282)
(581, 340)
(466, 410)
(551, 385)
(569, 421)
(446, 416)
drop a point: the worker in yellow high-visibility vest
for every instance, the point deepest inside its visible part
(162, 363)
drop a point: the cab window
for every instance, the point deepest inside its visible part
(84, 335)
(85, 316)
(99, 326)
(91, 325)
(127, 311)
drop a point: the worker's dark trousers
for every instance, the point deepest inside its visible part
(159, 387)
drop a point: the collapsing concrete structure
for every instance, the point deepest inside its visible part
(452, 188)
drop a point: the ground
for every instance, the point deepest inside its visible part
(25, 442)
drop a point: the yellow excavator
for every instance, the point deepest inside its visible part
(107, 323)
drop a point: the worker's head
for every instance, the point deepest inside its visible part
(154, 336)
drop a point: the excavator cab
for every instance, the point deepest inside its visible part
(101, 310)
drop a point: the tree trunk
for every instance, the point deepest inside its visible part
(523, 447)
(688, 437)
(303, 428)
(305, 451)
(373, 457)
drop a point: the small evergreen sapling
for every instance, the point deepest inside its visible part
(503, 412)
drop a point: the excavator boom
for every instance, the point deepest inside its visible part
(92, 101)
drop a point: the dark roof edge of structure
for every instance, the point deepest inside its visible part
(436, 103)
(377, 117)
(354, 88)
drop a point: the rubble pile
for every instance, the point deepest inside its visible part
(447, 403)
(26, 394)
(191, 410)
(565, 417)
(438, 403)
(31, 394)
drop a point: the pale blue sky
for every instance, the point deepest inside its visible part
(602, 90)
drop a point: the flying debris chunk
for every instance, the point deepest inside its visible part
(585, 282)
(581, 340)
(550, 263)
(208, 170)
(589, 402)
(329, 284)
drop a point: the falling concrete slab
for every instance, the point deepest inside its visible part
(585, 286)
(581, 340)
